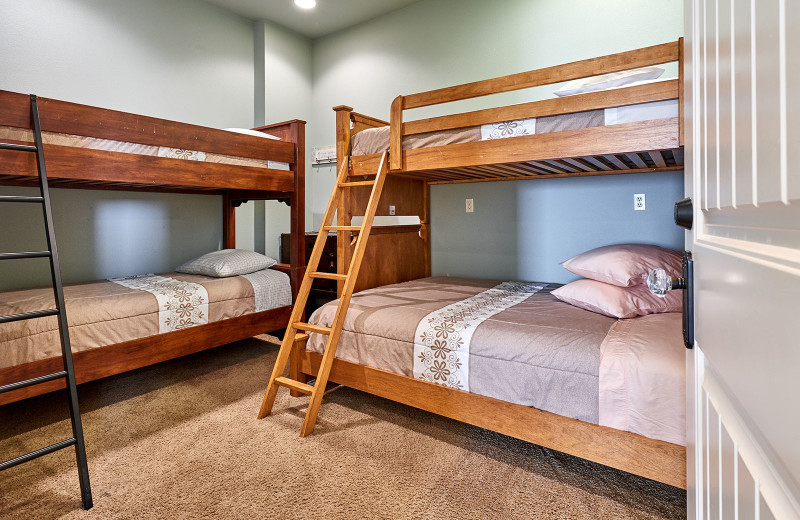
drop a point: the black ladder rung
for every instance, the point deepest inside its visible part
(28, 315)
(20, 198)
(38, 453)
(17, 147)
(33, 381)
(24, 254)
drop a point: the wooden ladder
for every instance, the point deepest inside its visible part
(334, 332)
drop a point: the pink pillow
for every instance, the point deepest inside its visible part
(617, 302)
(624, 265)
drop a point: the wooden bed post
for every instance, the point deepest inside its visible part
(294, 131)
(396, 134)
(425, 227)
(228, 222)
(296, 366)
(342, 219)
(297, 254)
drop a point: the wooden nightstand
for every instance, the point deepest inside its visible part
(322, 290)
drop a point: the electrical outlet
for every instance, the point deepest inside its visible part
(638, 201)
(391, 210)
(470, 206)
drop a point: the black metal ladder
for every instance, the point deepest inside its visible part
(66, 351)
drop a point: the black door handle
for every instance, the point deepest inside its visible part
(684, 213)
(659, 283)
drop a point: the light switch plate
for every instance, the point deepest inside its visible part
(470, 206)
(391, 210)
(638, 201)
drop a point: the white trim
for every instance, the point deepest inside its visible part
(775, 489)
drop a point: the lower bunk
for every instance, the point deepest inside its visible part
(122, 324)
(512, 358)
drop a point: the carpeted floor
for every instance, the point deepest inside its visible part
(181, 440)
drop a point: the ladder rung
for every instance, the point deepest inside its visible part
(342, 228)
(24, 254)
(300, 336)
(294, 385)
(328, 276)
(356, 183)
(311, 328)
(28, 315)
(34, 381)
(20, 198)
(38, 453)
(17, 147)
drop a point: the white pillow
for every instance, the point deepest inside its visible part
(255, 133)
(227, 262)
(606, 81)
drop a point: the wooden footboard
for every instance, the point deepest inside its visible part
(656, 460)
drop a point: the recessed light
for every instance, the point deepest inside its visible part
(305, 4)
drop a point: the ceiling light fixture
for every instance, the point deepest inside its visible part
(305, 4)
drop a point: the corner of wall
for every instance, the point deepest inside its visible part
(259, 73)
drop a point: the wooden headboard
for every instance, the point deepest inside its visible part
(394, 253)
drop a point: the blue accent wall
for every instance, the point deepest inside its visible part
(522, 230)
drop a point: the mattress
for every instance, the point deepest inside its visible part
(93, 143)
(516, 342)
(105, 312)
(376, 140)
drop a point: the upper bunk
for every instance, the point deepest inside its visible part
(88, 147)
(568, 139)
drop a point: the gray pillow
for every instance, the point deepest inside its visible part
(227, 262)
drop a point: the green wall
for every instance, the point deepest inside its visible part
(437, 43)
(190, 61)
(182, 60)
(283, 75)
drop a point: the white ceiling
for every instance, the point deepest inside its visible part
(329, 16)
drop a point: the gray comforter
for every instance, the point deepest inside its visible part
(539, 352)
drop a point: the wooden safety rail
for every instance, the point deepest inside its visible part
(643, 146)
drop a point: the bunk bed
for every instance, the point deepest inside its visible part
(95, 148)
(401, 254)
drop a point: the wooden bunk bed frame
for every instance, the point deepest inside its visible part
(81, 168)
(402, 253)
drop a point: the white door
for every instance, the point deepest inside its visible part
(742, 67)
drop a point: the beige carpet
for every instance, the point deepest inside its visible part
(180, 440)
